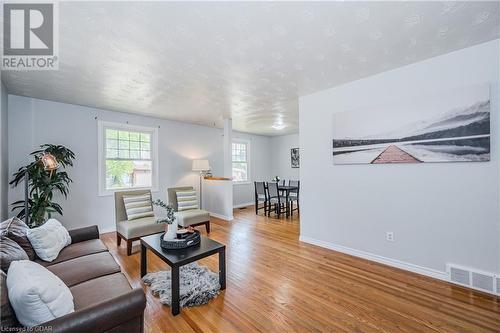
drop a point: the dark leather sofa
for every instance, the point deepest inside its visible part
(104, 300)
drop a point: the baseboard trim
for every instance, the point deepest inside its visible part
(244, 205)
(433, 273)
(222, 217)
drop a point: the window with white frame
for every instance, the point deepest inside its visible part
(127, 157)
(240, 153)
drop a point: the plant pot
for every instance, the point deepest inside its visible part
(171, 231)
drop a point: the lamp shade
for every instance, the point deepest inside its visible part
(201, 165)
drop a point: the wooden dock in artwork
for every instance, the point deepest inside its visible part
(393, 154)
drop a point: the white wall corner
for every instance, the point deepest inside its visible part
(222, 217)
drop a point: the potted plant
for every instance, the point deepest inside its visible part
(276, 179)
(169, 219)
(43, 182)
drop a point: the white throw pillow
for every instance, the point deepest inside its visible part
(36, 294)
(49, 239)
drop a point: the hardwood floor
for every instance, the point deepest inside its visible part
(277, 284)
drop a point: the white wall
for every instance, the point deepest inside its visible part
(260, 167)
(281, 164)
(4, 164)
(33, 122)
(439, 212)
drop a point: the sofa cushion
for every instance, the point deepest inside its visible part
(84, 268)
(77, 250)
(192, 216)
(49, 239)
(138, 206)
(99, 290)
(17, 230)
(10, 251)
(140, 227)
(37, 295)
(8, 317)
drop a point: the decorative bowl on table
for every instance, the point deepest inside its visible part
(182, 241)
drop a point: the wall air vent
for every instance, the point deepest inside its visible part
(473, 278)
(460, 276)
(483, 282)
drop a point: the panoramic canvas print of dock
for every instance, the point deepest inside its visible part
(449, 127)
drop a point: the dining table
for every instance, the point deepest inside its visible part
(287, 189)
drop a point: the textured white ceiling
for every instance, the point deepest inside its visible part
(200, 62)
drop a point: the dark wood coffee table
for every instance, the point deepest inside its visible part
(177, 258)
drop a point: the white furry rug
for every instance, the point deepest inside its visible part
(197, 284)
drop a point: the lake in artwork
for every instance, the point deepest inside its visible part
(449, 127)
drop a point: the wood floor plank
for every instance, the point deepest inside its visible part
(275, 283)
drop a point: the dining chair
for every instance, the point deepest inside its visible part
(282, 183)
(260, 196)
(275, 199)
(294, 196)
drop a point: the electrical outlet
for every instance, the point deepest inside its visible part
(389, 236)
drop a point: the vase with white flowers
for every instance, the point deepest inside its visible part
(169, 219)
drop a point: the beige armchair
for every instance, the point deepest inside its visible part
(134, 229)
(191, 217)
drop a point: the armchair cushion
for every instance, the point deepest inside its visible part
(140, 227)
(172, 196)
(192, 216)
(138, 206)
(186, 200)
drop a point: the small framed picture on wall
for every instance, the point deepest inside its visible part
(294, 157)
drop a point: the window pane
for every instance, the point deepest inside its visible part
(134, 136)
(239, 152)
(135, 154)
(123, 154)
(111, 153)
(123, 144)
(128, 174)
(111, 143)
(123, 135)
(111, 134)
(240, 171)
(145, 146)
(135, 145)
(145, 155)
(145, 137)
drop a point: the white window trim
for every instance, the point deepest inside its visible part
(101, 158)
(249, 163)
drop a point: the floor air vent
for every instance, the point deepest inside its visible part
(474, 278)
